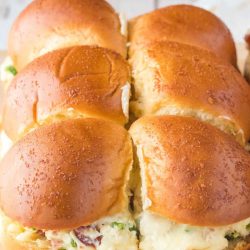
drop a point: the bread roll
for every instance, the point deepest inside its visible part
(195, 184)
(82, 81)
(46, 25)
(179, 79)
(185, 24)
(69, 181)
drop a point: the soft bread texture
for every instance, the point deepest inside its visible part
(186, 24)
(82, 81)
(46, 25)
(67, 174)
(192, 173)
(178, 79)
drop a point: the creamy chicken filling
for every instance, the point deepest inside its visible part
(109, 233)
(158, 233)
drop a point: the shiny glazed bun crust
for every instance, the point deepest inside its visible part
(67, 174)
(82, 81)
(186, 24)
(175, 78)
(46, 25)
(193, 173)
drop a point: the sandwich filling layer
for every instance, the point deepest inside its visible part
(158, 233)
(113, 233)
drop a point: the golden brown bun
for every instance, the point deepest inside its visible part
(81, 81)
(194, 173)
(174, 78)
(46, 25)
(185, 24)
(67, 174)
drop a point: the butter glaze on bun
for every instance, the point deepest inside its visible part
(46, 25)
(179, 79)
(185, 24)
(192, 173)
(82, 81)
(66, 175)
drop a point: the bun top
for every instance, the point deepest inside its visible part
(183, 78)
(81, 81)
(46, 25)
(185, 24)
(67, 174)
(193, 173)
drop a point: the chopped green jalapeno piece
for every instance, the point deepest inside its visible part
(11, 69)
(232, 235)
(119, 225)
(73, 243)
(133, 228)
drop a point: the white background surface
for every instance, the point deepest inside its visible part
(235, 13)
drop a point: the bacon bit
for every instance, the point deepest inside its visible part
(99, 239)
(86, 240)
(131, 201)
(40, 233)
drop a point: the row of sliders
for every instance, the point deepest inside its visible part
(74, 178)
(70, 185)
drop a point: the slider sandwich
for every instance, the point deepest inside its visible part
(185, 24)
(195, 186)
(65, 186)
(76, 82)
(180, 79)
(47, 25)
